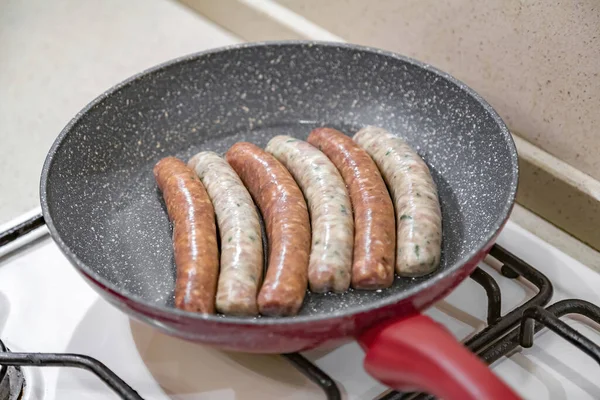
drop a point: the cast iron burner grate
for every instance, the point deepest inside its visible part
(12, 382)
(506, 333)
(501, 336)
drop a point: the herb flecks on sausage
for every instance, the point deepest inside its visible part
(239, 228)
(330, 212)
(419, 221)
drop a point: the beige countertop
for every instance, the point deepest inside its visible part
(58, 55)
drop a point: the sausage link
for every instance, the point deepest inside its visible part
(239, 228)
(288, 228)
(418, 215)
(375, 235)
(330, 212)
(194, 235)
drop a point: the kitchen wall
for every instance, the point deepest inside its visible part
(536, 62)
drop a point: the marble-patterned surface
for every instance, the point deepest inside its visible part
(58, 55)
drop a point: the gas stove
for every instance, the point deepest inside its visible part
(62, 341)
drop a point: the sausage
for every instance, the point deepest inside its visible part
(194, 235)
(330, 212)
(288, 228)
(418, 214)
(239, 228)
(375, 235)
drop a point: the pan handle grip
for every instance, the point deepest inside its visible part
(417, 353)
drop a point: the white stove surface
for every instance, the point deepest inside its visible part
(46, 307)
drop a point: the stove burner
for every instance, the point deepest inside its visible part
(12, 381)
(502, 335)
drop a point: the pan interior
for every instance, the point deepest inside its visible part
(100, 195)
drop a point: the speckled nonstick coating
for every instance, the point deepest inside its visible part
(104, 210)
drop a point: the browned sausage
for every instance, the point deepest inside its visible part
(288, 228)
(194, 235)
(375, 230)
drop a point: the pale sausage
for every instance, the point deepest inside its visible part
(418, 215)
(239, 229)
(330, 211)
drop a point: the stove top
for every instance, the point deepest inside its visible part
(46, 307)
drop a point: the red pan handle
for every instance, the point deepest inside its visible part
(417, 353)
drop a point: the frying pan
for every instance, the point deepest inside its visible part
(103, 209)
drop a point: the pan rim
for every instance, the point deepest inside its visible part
(484, 240)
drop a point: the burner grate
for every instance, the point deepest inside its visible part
(549, 317)
(22, 229)
(315, 374)
(498, 326)
(501, 336)
(12, 381)
(125, 391)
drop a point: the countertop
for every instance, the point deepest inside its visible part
(59, 55)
